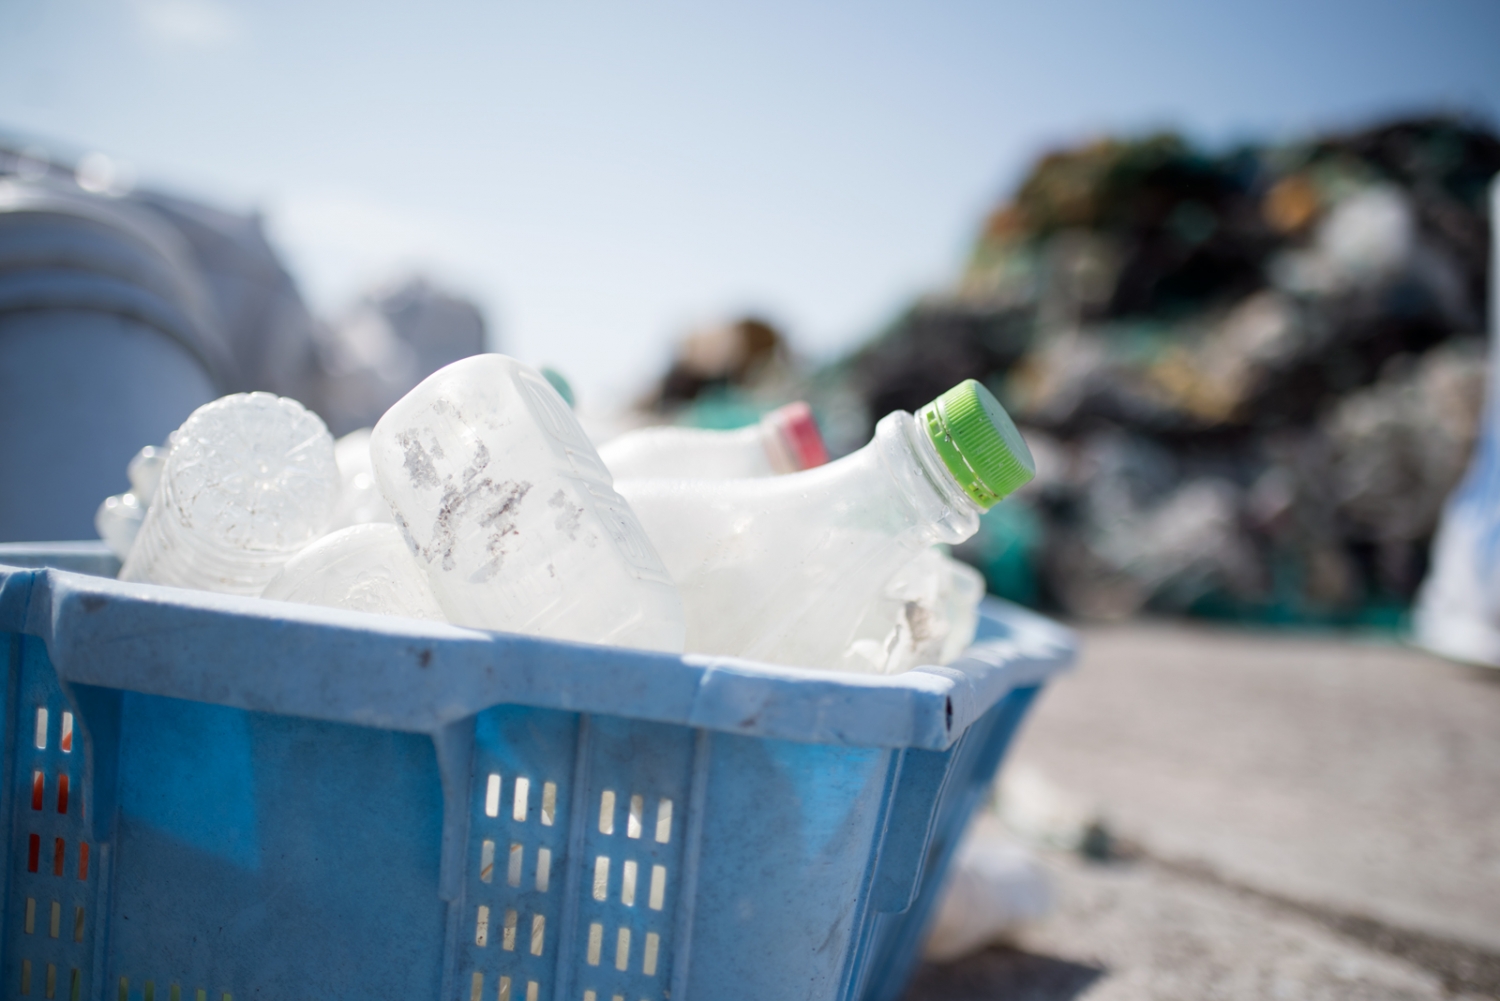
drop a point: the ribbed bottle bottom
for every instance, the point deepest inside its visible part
(169, 552)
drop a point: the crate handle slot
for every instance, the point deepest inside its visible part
(96, 719)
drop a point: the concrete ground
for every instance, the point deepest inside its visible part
(1295, 817)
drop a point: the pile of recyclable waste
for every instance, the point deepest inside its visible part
(478, 499)
(1250, 377)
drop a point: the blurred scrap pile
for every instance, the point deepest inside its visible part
(726, 374)
(1249, 379)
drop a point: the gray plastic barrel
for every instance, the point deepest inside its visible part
(267, 328)
(106, 344)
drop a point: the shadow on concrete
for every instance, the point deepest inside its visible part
(1003, 974)
(1486, 675)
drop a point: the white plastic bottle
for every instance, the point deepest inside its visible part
(505, 503)
(929, 610)
(785, 440)
(784, 569)
(249, 480)
(364, 568)
(1457, 609)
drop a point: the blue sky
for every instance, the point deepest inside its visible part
(601, 176)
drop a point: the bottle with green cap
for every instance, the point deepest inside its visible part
(787, 569)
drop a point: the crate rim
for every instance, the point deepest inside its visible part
(420, 676)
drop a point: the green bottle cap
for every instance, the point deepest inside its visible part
(979, 443)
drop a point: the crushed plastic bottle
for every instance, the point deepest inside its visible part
(927, 614)
(249, 481)
(784, 569)
(505, 503)
(961, 590)
(785, 440)
(360, 500)
(364, 568)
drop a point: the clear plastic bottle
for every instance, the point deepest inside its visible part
(144, 472)
(928, 611)
(360, 500)
(364, 568)
(784, 569)
(119, 518)
(505, 503)
(249, 481)
(961, 590)
(927, 614)
(785, 440)
(118, 522)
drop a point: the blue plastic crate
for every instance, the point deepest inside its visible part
(220, 799)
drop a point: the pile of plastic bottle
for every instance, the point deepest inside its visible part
(478, 499)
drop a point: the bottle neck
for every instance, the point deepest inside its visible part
(923, 480)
